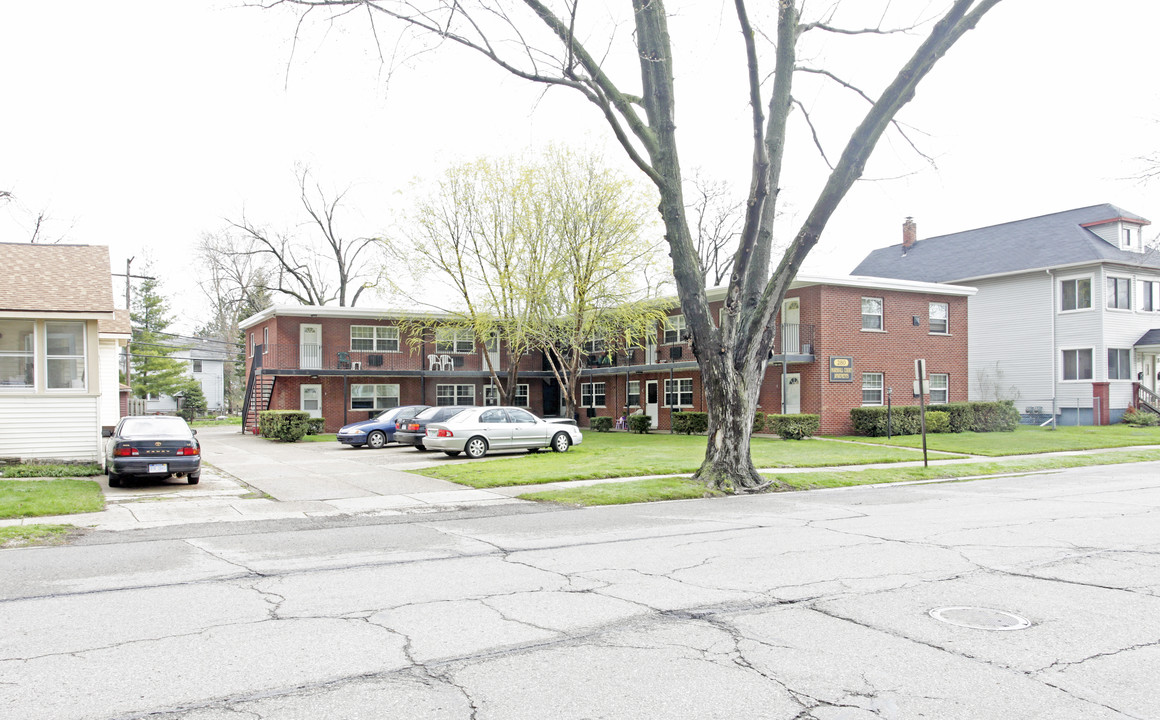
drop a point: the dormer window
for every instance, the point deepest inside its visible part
(1127, 237)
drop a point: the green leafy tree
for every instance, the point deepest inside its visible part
(193, 402)
(155, 371)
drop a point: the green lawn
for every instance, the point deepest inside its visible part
(605, 455)
(216, 423)
(22, 535)
(652, 490)
(324, 437)
(59, 496)
(1027, 440)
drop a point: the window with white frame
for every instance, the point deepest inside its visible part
(1119, 292)
(632, 397)
(520, 399)
(374, 397)
(65, 355)
(1127, 237)
(374, 338)
(454, 340)
(674, 329)
(940, 314)
(17, 354)
(1150, 295)
(940, 385)
(1119, 364)
(679, 392)
(1075, 294)
(454, 395)
(265, 340)
(251, 344)
(871, 388)
(592, 395)
(872, 313)
(1077, 364)
(196, 366)
(594, 346)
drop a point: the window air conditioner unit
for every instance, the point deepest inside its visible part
(356, 366)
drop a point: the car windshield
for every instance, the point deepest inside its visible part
(160, 426)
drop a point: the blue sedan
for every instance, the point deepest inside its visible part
(379, 430)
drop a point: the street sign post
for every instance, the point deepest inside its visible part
(921, 388)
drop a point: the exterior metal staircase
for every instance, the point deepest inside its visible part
(259, 388)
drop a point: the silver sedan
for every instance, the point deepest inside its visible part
(477, 430)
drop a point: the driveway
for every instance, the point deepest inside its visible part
(317, 471)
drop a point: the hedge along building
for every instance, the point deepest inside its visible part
(841, 343)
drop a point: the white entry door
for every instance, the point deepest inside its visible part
(310, 347)
(791, 343)
(1148, 379)
(792, 393)
(310, 400)
(652, 404)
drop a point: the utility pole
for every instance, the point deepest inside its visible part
(128, 275)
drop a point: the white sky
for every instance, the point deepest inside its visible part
(140, 124)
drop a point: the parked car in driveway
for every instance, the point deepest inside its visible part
(152, 446)
(478, 430)
(379, 430)
(414, 432)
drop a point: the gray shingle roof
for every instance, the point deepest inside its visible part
(1030, 244)
(1152, 337)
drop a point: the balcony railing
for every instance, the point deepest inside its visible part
(318, 357)
(794, 339)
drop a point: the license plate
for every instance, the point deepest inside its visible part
(158, 467)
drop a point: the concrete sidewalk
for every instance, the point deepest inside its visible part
(299, 481)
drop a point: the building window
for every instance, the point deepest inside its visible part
(251, 344)
(632, 398)
(17, 354)
(374, 338)
(674, 329)
(592, 395)
(939, 388)
(65, 353)
(454, 340)
(679, 392)
(196, 366)
(1127, 237)
(1076, 294)
(871, 388)
(1119, 364)
(1077, 364)
(454, 395)
(491, 395)
(872, 313)
(594, 346)
(374, 397)
(265, 340)
(1150, 295)
(940, 318)
(1119, 293)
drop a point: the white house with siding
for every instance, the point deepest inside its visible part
(1067, 314)
(206, 363)
(59, 340)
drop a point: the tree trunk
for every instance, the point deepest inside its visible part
(731, 401)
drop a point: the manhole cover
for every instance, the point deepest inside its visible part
(980, 618)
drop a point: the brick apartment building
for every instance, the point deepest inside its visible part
(841, 343)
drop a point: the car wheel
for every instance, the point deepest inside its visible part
(114, 479)
(451, 453)
(193, 479)
(476, 448)
(376, 440)
(561, 442)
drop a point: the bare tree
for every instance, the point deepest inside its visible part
(325, 269)
(553, 43)
(35, 222)
(234, 284)
(716, 226)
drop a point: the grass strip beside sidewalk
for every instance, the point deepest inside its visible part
(56, 496)
(14, 536)
(1026, 440)
(656, 489)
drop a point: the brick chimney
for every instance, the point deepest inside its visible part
(909, 234)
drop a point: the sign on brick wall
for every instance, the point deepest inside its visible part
(841, 369)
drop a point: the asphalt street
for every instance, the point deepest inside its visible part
(798, 606)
